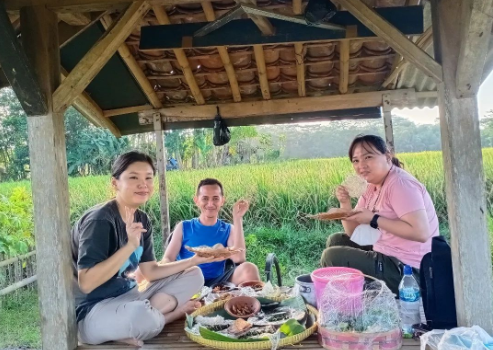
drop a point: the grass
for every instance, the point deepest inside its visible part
(19, 320)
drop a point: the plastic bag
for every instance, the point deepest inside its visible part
(461, 338)
(349, 304)
(222, 134)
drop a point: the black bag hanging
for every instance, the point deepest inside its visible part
(437, 286)
(318, 11)
(222, 135)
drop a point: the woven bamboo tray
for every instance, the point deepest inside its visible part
(249, 345)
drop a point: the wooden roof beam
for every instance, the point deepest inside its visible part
(299, 50)
(343, 66)
(298, 7)
(18, 69)
(182, 59)
(300, 54)
(223, 53)
(398, 41)
(423, 42)
(134, 68)
(91, 111)
(262, 71)
(75, 18)
(400, 98)
(125, 110)
(84, 5)
(305, 117)
(262, 23)
(90, 65)
(477, 21)
(67, 32)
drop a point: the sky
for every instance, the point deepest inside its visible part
(430, 115)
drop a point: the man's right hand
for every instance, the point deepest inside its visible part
(342, 196)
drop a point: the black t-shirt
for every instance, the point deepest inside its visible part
(99, 234)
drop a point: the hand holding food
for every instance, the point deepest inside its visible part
(332, 214)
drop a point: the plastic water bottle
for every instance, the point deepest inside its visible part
(410, 301)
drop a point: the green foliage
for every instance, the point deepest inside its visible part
(90, 150)
(16, 225)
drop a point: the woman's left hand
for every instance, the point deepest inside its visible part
(361, 216)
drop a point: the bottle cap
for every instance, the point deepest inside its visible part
(408, 270)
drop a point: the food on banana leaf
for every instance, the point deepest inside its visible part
(240, 326)
(217, 251)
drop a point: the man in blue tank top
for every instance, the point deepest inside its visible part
(209, 230)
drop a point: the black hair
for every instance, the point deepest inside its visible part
(126, 159)
(208, 182)
(375, 142)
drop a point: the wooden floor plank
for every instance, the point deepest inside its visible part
(173, 337)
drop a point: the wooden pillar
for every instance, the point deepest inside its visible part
(161, 170)
(387, 122)
(46, 136)
(463, 164)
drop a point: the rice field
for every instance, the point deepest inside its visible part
(280, 193)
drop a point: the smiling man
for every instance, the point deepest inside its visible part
(209, 230)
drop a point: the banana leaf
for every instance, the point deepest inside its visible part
(211, 335)
(189, 320)
(292, 327)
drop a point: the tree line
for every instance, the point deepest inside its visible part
(92, 150)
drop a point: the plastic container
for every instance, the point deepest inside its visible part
(331, 340)
(353, 284)
(410, 301)
(304, 286)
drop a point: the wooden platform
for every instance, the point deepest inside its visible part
(173, 337)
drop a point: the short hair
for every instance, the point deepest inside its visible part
(125, 160)
(209, 182)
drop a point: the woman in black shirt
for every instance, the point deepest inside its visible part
(109, 242)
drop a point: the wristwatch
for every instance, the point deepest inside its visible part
(374, 221)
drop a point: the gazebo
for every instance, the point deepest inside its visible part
(156, 65)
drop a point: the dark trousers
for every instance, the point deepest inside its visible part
(341, 251)
(229, 269)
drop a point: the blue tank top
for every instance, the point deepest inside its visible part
(195, 234)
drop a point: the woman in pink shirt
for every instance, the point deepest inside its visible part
(396, 204)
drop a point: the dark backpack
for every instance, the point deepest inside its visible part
(437, 286)
(221, 131)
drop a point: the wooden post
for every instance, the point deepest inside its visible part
(463, 164)
(161, 170)
(46, 136)
(387, 122)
